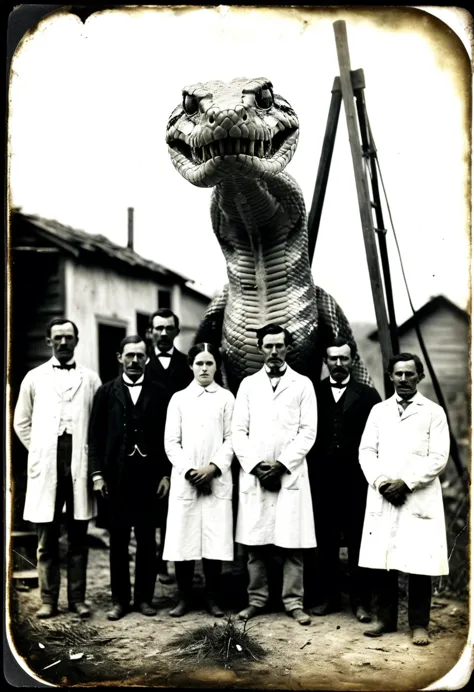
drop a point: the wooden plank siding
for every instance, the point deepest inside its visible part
(447, 340)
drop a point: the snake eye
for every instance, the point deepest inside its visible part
(264, 98)
(190, 104)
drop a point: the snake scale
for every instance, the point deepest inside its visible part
(238, 137)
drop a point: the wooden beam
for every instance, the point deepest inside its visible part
(362, 190)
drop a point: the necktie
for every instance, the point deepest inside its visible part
(164, 355)
(133, 384)
(279, 373)
(404, 405)
(65, 366)
(338, 385)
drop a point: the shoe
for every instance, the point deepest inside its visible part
(213, 609)
(47, 610)
(300, 616)
(378, 630)
(250, 612)
(146, 609)
(326, 608)
(362, 615)
(80, 609)
(419, 636)
(179, 610)
(116, 612)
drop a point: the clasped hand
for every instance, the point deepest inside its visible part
(201, 478)
(394, 491)
(269, 474)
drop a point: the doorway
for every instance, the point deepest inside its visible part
(110, 337)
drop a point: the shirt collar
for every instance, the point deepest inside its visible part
(170, 351)
(198, 390)
(127, 379)
(283, 370)
(415, 398)
(55, 361)
(344, 382)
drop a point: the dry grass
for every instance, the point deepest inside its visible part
(215, 643)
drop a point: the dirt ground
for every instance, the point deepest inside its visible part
(329, 654)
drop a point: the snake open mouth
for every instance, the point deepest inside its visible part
(230, 146)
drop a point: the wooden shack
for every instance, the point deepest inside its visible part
(109, 291)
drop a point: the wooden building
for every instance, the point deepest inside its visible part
(109, 291)
(445, 329)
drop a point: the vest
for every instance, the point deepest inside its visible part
(134, 432)
(335, 431)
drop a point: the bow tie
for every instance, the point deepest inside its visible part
(65, 366)
(164, 355)
(133, 384)
(338, 385)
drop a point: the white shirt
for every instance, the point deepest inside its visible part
(65, 380)
(165, 362)
(337, 392)
(136, 390)
(275, 380)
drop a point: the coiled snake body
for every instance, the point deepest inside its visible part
(238, 137)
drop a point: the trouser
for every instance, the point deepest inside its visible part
(49, 572)
(336, 514)
(262, 559)
(145, 561)
(386, 598)
(184, 570)
(162, 514)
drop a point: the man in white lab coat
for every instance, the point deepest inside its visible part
(51, 419)
(274, 427)
(404, 448)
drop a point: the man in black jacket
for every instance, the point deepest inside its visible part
(129, 467)
(338, 486)
(170, 368)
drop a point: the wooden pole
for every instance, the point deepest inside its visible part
(362, 191)
(320, 186)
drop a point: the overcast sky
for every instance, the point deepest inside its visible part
(89, 105)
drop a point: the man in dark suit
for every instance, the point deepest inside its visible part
(170, 368)
(338, 486)
(129, 467)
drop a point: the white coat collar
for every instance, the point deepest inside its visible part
(286, 379)
(197, 390)
(417, 401)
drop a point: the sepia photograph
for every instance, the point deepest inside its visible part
(238, 332)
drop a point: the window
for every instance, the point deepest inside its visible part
(142, 323)
(164, 298)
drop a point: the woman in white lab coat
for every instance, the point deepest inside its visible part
(198, 445)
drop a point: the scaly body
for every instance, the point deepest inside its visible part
(239, 137)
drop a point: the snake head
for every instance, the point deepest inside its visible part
(228, 129)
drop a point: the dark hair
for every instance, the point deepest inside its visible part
(273, 328)
(405, 357)
(132, 339)
(339, 341)
(200, 348)
(164, 312)
(61, 320)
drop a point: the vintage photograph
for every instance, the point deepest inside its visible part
(238, 423)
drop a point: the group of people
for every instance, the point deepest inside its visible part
(326, 466)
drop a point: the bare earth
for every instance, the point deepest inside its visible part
(329, 654)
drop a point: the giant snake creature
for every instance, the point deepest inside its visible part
(238, 137)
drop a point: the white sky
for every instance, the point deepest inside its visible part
(88, 111)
